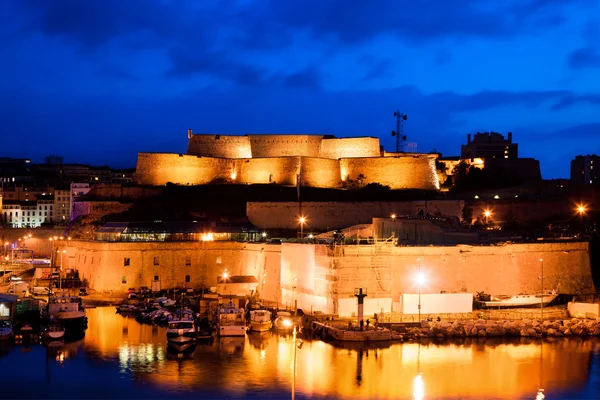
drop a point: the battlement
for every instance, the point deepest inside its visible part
(316, 160)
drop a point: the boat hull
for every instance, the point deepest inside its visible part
(521, 301)
(232, 330)
(6, 336)
(260, 326)
(72, 320)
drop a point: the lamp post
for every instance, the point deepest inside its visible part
(262, 288)
(419, 282)
(542, 296)
(302, 220)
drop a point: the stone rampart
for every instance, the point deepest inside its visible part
(320, 172)
(220, 146)
(280, 170)
(161, 168)
(319, 276)
(336, 148)
(328, 215)
(508, 269)
(285, 145)
(405, 172)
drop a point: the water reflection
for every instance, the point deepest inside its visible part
(256, 363)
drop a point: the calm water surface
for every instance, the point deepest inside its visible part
(119, 358)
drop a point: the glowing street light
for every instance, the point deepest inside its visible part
(420, 282)
(225, 275)
(393, 216)
(487, 214)
(302, 221)
(581, 209)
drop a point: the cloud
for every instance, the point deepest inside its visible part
(585, 57)
(307, 78)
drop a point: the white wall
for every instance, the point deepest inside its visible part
(437, 303)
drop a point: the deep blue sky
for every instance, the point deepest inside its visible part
(98, 81)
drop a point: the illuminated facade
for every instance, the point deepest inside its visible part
(306, 160)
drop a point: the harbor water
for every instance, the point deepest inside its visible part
(121, 358)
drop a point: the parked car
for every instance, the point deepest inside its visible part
(83, 291)
(131, 290)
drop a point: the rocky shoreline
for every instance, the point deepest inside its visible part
(494, 328)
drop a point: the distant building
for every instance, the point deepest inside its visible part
(54, 160)
(584, 170)
(489, 145)
(62, 205)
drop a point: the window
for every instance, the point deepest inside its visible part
(155, 277)
(156, 261)
(188, 261)
(219, 260)
(4, 311)
(126, 262)
(123, 279)
(187, 279)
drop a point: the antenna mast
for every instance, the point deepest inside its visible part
(399, 132)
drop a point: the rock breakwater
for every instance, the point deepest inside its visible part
(494, 328)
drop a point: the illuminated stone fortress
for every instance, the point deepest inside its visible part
(315, 160)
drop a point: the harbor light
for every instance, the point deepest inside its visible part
(264, 234)
(225, 275)
(581, 209)
(420, 279)
(393, 216)
(487, 213)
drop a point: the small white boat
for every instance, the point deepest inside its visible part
(284, 321)
(6, 330)
(54, 331)
(260, 321)
(521, 300)
(231, 321)
(127, 309)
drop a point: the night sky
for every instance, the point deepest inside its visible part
(98, 81)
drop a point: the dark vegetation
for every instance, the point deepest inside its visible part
(228, 202)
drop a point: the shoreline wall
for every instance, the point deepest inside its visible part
(322, 277)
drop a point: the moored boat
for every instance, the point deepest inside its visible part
(6, 330)
(231, 321)
(522, 300)
(68, 312)
(284, 321)
(260, 321)
(181, 331)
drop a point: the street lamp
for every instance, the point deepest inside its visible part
(393, 216)
(420, 281)
(542, 296)
(487, 213)
(302, 220)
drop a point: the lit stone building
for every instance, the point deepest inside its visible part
(306, 160)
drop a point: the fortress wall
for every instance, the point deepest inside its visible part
(309, 273)
(160, 168)
(406, 172)
(320, 172)
(102, 263)
(280, 170)
(328, 215)
(349, 148)
(219, 146)
(285, 145)
(503, 269)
